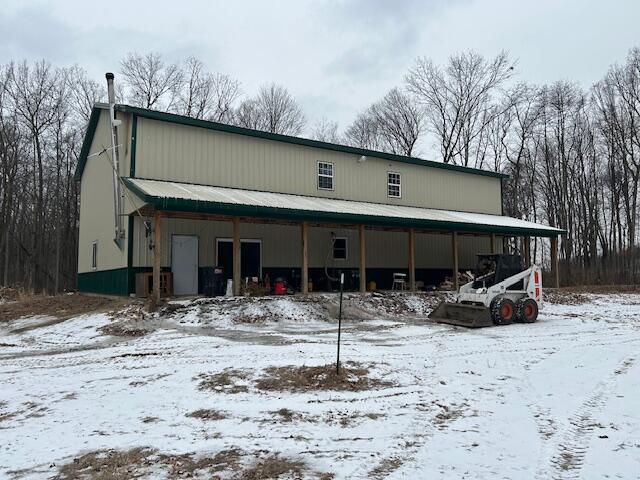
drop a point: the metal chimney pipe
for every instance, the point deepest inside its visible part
(111, 94)
(117, 190)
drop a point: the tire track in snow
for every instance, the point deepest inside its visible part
(573, 443)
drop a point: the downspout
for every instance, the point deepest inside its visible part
(117, 189)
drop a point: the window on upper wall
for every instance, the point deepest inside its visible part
(325, 176)
(393, 185)
(340, 248)
(94, 255)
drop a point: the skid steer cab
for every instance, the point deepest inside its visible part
(501, 292)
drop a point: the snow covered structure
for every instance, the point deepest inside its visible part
(196, 194)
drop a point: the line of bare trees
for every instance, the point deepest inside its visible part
(573, 155)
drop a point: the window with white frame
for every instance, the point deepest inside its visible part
(393, 185)
(325, 176)
(94, 255)
(340, 248)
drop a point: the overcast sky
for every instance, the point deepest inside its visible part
(336, 57)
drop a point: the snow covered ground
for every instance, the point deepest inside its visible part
(554, 399)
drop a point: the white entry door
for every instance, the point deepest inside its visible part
(184, 264)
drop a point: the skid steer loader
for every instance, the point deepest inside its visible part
(500, 293)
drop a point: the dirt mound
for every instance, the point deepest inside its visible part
(59, 306)
(353, 377)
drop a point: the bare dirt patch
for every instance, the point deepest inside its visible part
(353, 377)
(227, 381)
(566, 297)
(59, 306)
(207, 414)
(273, 466)
(142, 462)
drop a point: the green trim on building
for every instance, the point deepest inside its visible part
(107, 282)
(131, 281)
(222, 127)
(134, 135)
(186, 205)
(86, 143)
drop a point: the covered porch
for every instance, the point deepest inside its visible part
(264, 234)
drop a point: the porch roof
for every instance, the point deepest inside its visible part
(186, 197)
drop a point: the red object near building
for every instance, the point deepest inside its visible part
(279, 288)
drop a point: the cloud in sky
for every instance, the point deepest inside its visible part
(336, 56)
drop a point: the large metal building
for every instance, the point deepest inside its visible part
(181, 195)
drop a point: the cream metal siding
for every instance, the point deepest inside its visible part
(181, 153)
(281, 245)
(96, 207)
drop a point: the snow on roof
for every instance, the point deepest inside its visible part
(165, 195)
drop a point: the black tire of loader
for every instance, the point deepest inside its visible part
(522, 305)
(496, 307)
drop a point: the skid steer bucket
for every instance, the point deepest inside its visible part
(464, 315)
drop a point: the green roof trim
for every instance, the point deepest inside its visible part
(134, 136)
(87, 141)
(222, 127)
(218, 208)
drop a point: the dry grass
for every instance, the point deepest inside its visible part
(353, 377)
(386, 467)
(286, 415)
(108, 465)
(59, 306)
(273, 467)
(224, 382)
(140, 462)
(207, 414)
(123, 329)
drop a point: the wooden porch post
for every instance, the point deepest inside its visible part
(412, 260)
(454, 251)
(527, 251)
(157, 242)
(305, 258)
(236, 256)
(554, 262)
(363, 267)
(493, 243)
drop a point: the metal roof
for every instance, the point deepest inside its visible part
(174, 196)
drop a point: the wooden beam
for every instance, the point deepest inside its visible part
(493, 243)
(157, 242)
(236, 256)
(412, 260)
(305, 258)
(526, 251)
(363, 257)
(555, 273)
(454, 253)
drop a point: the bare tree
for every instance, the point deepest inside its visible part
(272, 110)
(457, 98)
(150, 82)
(399, 122)
(325, 131)
(205, 95)
(248, 115)
(363, 132)
(84, 91)
(35, 100)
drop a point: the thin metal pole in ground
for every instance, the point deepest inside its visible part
(339, 323)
